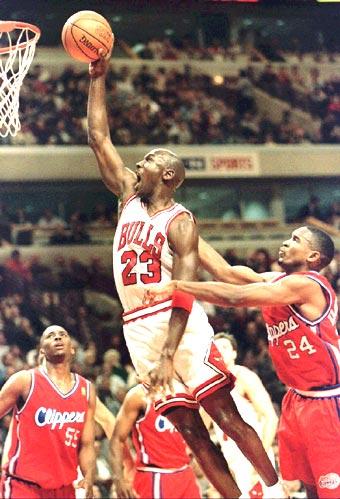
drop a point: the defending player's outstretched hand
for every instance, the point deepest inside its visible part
(154, 294)
(100, 66)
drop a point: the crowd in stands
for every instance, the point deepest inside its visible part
(256, 49)
(19, 227)
(172, 106)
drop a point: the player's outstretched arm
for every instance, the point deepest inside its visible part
(214, 263)
(87, 455)
(16, 387)
(128, 413)
(291, 290)
(116, 177)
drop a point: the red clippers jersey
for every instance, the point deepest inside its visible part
(306, 354)
(157, 442)
(46, 432)
(141, 253)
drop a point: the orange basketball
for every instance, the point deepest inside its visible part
(84, 34)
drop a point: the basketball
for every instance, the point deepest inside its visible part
(84, 34)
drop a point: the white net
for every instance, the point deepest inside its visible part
(17, 46)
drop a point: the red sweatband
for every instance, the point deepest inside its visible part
(180, 299)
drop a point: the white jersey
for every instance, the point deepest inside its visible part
(141, 253)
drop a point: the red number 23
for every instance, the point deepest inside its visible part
(153, 268)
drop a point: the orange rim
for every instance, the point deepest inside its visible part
(8, 26)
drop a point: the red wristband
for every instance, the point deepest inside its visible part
(180, 299)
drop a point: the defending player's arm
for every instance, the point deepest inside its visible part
(126, 418)
(87, 455)
(214, 263)
(116, 177)
(293, 289)
(183, 239)
(255, 391)
(15, 389)
(104, 418)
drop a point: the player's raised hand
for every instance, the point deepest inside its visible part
(153, 294)
(100, 66)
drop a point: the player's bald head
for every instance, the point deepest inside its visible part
(171, 162)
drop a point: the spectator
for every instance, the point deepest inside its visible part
(50, 221)
(5, 225)
(311, 209)
(18, 267)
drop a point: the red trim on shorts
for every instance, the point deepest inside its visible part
(173, 401)
(137, 309)
(224, 380)
(148, 315)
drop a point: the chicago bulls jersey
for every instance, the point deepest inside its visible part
(141, 253)
(46, 432)
(157, 442)
(305, 353)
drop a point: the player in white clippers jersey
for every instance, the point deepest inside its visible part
(170, 342)
(255, 406)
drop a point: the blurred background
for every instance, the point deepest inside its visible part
(246, 93)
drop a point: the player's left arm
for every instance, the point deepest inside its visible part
(255, 391)
(294, 289)
(183, 240)
(87, 455)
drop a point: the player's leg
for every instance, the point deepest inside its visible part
(311, 490)
(209, 457)
(222, 409)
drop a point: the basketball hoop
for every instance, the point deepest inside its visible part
(17, 46)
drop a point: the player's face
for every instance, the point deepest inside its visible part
(226, 349)
(295, 251)
(56, 342)
(149, 172)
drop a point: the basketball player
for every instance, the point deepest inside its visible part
(162, 463)
(156, 239)
(255, 406)
(52, 429)
(300, 311)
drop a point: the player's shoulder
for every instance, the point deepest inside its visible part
(300, 279)
(135, 397)
(272, 276)
(21, 379)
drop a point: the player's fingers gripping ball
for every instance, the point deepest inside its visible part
(87, 36)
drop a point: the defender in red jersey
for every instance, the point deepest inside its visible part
(52, 430)
(161, 467)
(170, 344)
(300, 311)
